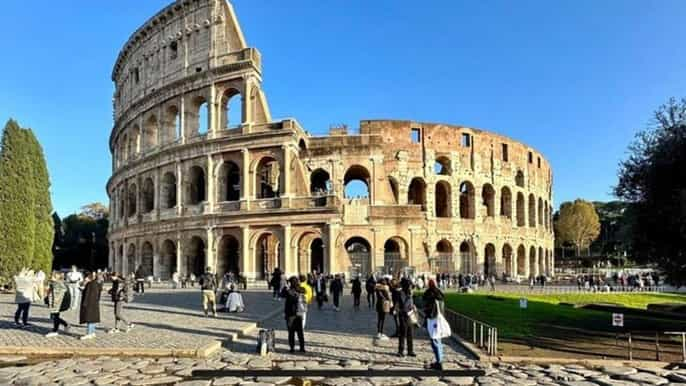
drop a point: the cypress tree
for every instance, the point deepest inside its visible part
(44, 225)
(17, 214)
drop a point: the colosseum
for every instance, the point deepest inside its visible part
(202, 175)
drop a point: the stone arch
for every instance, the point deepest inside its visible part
(532, 261)
(443, 261)
(228, 256)
(521, 218)
(442, 166)
(506, 202)
(167, 264)
(443, 199)
(357, 182)
(546, 220)
(172, 124)
(132, 200)
(488, 199)
(532, 210)
(521, 260)
(268, 173)
(266, 254)
(134, 141)
(147, 257)
(395, 189)
(320, 182)
(197, 185)
(519, 178)
(229, 182)
(490, 268)
(416, 194)
(124, 148)
(467, 205)
(539, 212)
(395, 255)
(232, 109)
(359, 252)
(507, 259)
(541, 261)
(168, 190)
(317, 255)
(148, 195)
(195, 259)
(198, 114)
(467, 258)
(150, 130)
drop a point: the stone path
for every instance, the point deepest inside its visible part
(165, 319)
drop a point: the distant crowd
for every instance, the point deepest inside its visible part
(617, 282)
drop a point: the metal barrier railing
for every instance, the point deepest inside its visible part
(482, 335)
(548, 289)
(630, 335)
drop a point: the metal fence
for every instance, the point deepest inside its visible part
(554, 289)
(482, 335)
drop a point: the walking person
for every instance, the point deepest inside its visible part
(431, 297)
(90, 304)
(395, 296)
(24, 283)
(336, 292)
(356, 291)
(140, 280)
(308, 296)
(370, 286)
(295, 308)
(208, 286)
(407, 317)
(383, 306)
(320, 290)
(58, 301)
(275, 283)
(74, 279)
(121, 294)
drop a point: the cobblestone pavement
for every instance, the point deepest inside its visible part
(164, 319)
(336, 341)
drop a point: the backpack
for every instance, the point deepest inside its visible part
(301, 305)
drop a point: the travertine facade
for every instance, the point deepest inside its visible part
(202, 176)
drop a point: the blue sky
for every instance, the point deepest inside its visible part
(574, 79)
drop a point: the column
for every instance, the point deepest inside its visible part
(376, 257)
(330, 262)
(286, 189)
(377, 161)
(182, 120)
(124, 258)
(212, 124)
(110, 257)
(157, 193)
(414, 242)
(179, 253)
(247, 107)
(179, 189)
(210, 253)
(211, 177)
(287, 263)
(246, 266)
(245, 180)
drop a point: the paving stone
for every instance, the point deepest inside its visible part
(613, 382)
(677, 377)
(32, 381)
(336, 381)
(273, 380)
(428, 383)
(114, 366)
(458, 380)
(618, 371)
(579, 383)
(194, 383)
(226, 381)
(260, 363)
(390, 381)
(154, 369)
(157, 381)
(646, 378)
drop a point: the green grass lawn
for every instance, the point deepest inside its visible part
(502, 311)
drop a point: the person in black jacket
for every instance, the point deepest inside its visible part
(320, 290)
(404, 305)
(356, 292)
(294, 295)
(431, 296)
(121, 293)
(90, 305)
(395, 297)
(275, 283)
(370, 288)
(337, 291)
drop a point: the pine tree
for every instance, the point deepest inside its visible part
(17, 215)
(44, 225)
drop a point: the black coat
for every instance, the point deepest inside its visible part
(90, 303)
(291, 306)
(322, 290)
(357, 287)
(429, 298)
(336, 287)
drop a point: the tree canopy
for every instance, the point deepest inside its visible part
(653, 180)
(577, 224)
(81, 238)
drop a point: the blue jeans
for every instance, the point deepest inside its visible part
(437, 347)
(90, 328)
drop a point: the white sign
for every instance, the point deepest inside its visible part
(523, 303)
(618, 320)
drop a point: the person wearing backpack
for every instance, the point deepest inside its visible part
(356, 291)
(431, 297)
(121, 294)
(407, 317)
(59, 301)
(208, 285)
(370, 285)
(294, 310)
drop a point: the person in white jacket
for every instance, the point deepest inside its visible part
(25, 284)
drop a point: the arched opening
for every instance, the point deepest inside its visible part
(302, 146)
(546, 221)
(229, 182)
(533, 267)
(395, 255)
(120, 260)
(172, 124)
(467, 207)
(268, 174)
(540, 212)
(168, 190)
(232, 109)
(167, 260)
(359, 253)
(488, 200)
(131, 258)
(266, 255)
(416, 194)
(147, 259)
(229, 256)
(443, 199)
(125, 150)
(521, 261)
(506, 202)
(532, 211)
(195, 256)
(356, 182)
(443, 261)
(134, 141)
(507, 259)
(150, 129)
(317, 255)
(394, 189)
(122, 205)
(148, 195)
(489, 260)
(519, 179)
(521, 220)
(197, 186)
(132, 193)
(320, 182)
(442, 166)
(541, 262)
(200, 116)
(467, 263)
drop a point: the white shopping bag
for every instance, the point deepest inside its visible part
(438, 327)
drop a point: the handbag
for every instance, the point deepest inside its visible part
(412, 316)
(438, 327)
(386, 306)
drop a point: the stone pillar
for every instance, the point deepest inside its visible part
(179, 256)
(288, 263)
(377, 163)
(212, 122)
(286, 189)
(413, 259)
(179, 189)
(124, 258)
(110, 256)
(157, 194)
(246, 264)
(210, 252)
(182, 120)
(330, 262)
(376, 256)
(246, 195)
(211, 178)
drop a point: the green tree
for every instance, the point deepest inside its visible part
(83, 238)
(653, 180)
(44, 226)
(17, 200)
(577, 224)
